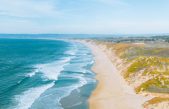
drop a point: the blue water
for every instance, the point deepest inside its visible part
(37, 74)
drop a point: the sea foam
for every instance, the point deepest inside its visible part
(32, 73)
(27, 98)
(72, 51)
(52, 70)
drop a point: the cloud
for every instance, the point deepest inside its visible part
(114, 2)
(27, 8)
(82, 16)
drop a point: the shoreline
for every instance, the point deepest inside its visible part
(84, 79)
(112, 90)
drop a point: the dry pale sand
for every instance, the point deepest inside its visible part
(112, 92)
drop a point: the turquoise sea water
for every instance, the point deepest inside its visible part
(39, 74)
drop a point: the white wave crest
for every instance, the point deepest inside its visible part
(32, 73)
(26, 99)
(52, 70)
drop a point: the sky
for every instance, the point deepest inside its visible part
(84, 16)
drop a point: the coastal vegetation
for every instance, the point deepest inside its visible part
(145, 65)
(155, 101)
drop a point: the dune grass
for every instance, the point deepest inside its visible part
(159, 82)
(149, 61)
(150, 65)
(156, 100)
(146, 60)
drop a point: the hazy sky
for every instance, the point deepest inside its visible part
(84, 16)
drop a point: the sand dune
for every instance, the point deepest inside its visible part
(112, 92)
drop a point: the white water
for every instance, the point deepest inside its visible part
(52, 70)
(26, 99)
(33, 73)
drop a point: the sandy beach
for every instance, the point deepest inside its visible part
(112, 92)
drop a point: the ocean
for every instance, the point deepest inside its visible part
(45, 74)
